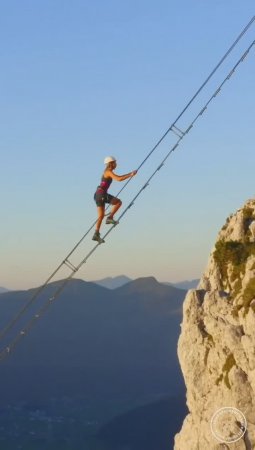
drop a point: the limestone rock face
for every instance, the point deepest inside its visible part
(216, 347)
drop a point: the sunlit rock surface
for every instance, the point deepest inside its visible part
(216, 347)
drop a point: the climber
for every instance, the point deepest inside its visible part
(102, 197)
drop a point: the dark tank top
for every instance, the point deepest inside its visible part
(105, 183)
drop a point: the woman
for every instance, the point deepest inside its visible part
(102, 197)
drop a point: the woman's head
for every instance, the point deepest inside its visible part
(110, 162)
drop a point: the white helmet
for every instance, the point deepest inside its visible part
(109, 159)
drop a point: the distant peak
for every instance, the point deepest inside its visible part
(145, 280)
(142, 284)
(3, 290)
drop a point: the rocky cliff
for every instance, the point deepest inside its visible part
(216, 347)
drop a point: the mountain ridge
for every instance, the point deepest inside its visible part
(95, 330)
(121, 280)
(3, 290)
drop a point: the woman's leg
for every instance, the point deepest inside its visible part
(116, 202)
(100, 211)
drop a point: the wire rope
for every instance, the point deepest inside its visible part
(66, 261)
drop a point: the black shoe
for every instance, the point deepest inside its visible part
(97, 237)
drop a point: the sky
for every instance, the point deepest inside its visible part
(82, 80)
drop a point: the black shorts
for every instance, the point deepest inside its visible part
(101, 197)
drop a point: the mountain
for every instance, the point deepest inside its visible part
(152, 295)
(135, 429)
(217, 341)
(187, 284)
(3, 290)
(95, 354)
(113, 282)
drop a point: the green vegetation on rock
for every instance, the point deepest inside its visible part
(229, 363)
(248, 213)
(248, 217)
(235, 253)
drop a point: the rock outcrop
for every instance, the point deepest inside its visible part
(216, 347)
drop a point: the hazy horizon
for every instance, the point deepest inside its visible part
(84, 80)
(8, 288)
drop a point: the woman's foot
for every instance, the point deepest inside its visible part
(96, 237)
(111, 221)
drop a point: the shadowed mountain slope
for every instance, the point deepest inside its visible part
(94, 341)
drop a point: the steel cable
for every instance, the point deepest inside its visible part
(74, 269)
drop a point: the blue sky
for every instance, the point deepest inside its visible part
(81, 80)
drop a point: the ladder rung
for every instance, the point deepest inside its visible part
(177, 131)
(70, 265)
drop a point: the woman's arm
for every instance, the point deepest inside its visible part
(114, 176)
